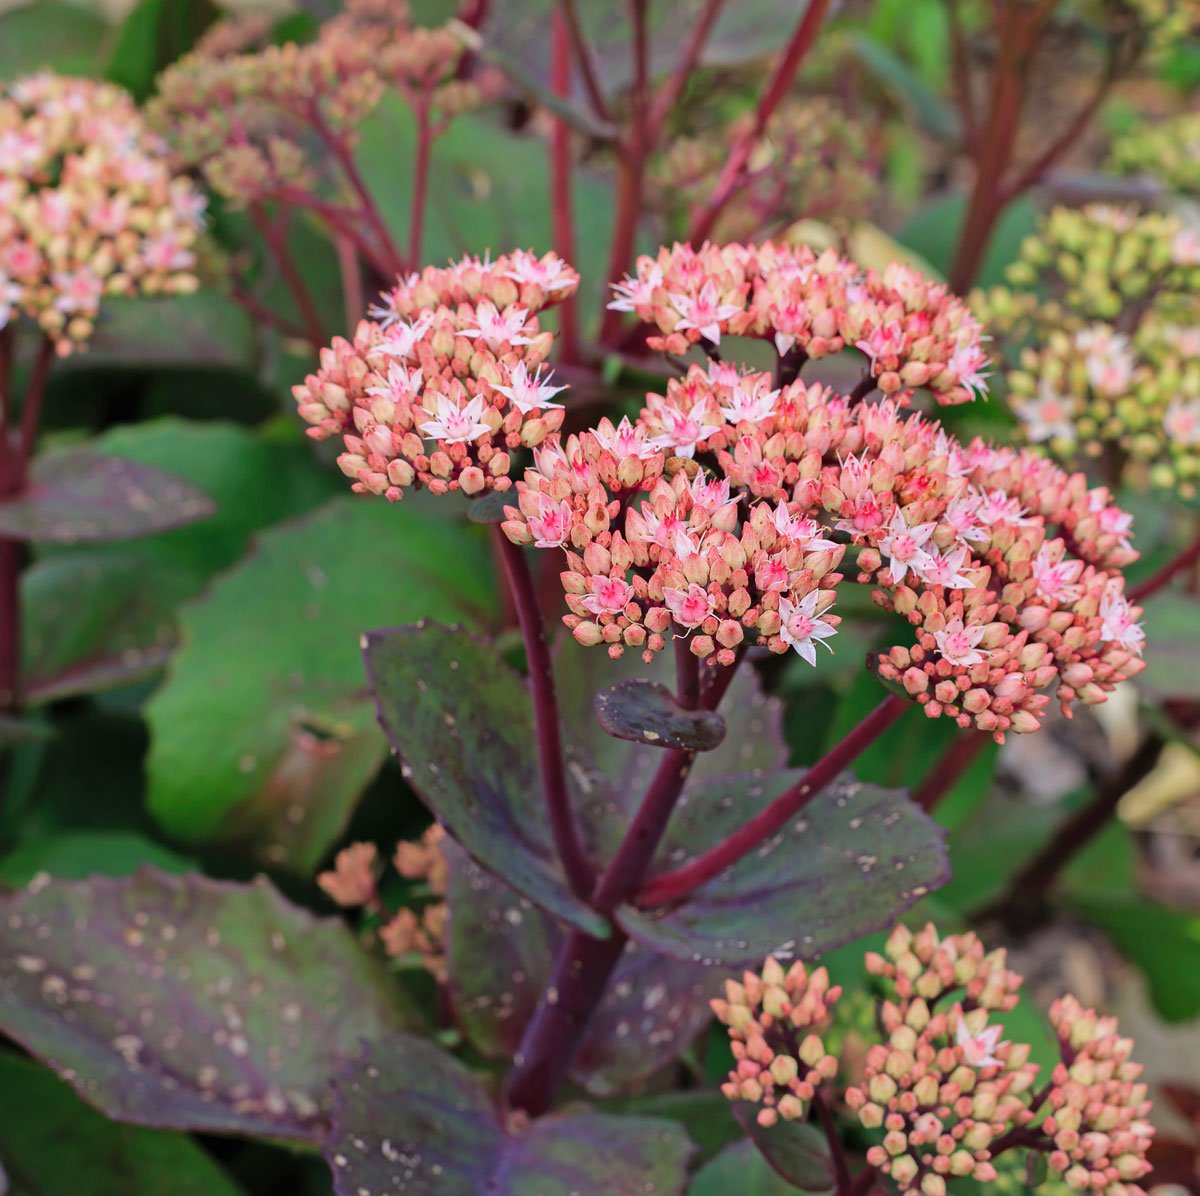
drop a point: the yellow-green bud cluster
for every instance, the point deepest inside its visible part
(1103, 314)
(1167, 150)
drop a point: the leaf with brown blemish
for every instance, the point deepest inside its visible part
(189, 1003)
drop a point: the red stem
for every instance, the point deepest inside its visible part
(6, 365)
(561, 209)
(1156, 581)
(567, 841)
(673, 886)
(675, 82)
(585, 964)
(633, 149)
(420, 187)
(350, 271)
(829, 1128)
(31, 414)
(731, 176)
(274, 233)
(583, 56)
(950, 766)
(370, 213)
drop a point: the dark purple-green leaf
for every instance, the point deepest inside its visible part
(501, 952)
(411, 1119)
(81, 497)
(853, 860)
(794, 1150)
(739, 1168)
(460, 720)
(178, 1001)
(643, 711)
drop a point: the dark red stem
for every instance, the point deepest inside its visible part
(567, 840)
(1028, 889)
(829, 1127)
(585, 964)
(732, 174)
(948, 770)
(1156, 581)
(350, 272)
(31, 414)
(561, 210)
(274, 233)
(673, 886)
(583, 56)
(420, 184)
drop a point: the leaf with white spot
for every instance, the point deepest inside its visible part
(646, 712)
(501, 953)
(413, 1121)
(81, 497)
(462, 724)
(179, 1001)
(851, 861)
(264, 732)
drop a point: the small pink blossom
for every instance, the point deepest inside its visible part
(551, 526)
(802, 628)
(607, 595)
(1117, 624)
(683, 432)
(1047, 416)
(402, 383)
(746, 404)
(78, 291)
(1181, 422)
(946, 570)
(689, 607)
(704, 312)
(405, 335)
(977, 1048)
(625, 440)
(498, 329)
(633, 293)
(529, 392)
(455, 424)
(958, 643)
(903, 546)
(1055, 575)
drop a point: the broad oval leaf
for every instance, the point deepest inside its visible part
(795, 1150)
(53, 1143)
(644, 711)
(412, 1119)
(82, 497)
(189, 1003)
(740, 1168)
(264, 732)
(501, 953)
(853, 860)
(460, 720)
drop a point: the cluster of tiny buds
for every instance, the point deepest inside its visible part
(776, 1020)
(452, 356)
(811, 163)
(246, 114)
(415, 933)
(914, 333)
(1167, 150)
(89, 206)
(947, 1093)
(1103, 303)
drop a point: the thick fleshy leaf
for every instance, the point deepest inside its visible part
(81, 497)
(190, 1003)
(127, 628)
(75, 855)
(796, 1151)
(461, 722)
(741, 1169)
(412, 1119)
(753, 741)
(501, 952)
(643, 711)
(164, 331)
(850, 862)
(264, 732)
(52, 1143)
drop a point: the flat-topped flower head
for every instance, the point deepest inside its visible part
(447, 382)
(90, 206)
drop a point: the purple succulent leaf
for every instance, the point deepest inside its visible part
(501, 952)
(178, 1001)
(462, 725)
(852, 861)
(412, 1119)
(795, 1150)
(645, 712)
(81, 497)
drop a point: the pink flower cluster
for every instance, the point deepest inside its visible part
(446, 380)
(1098, 1106)
(914, 333)
(776, 1020)
(949, 1094)
(89, 206)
